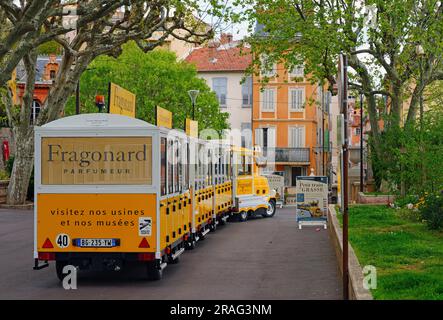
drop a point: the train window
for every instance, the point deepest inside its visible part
(163, 163)
(210, 164)
(245, 167)
(186, 164)
(170, 168)
(200, 166)
(216, 166)
(228, 166)
(177, 167)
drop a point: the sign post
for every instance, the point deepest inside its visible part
(343, 102)
(312, 201)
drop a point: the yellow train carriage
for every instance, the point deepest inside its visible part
(148, 193)
(252, 193)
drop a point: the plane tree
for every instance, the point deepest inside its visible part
(85, 29)
(394, 49)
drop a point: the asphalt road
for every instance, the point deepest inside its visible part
(258, 259)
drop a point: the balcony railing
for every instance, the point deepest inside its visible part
(300, 155)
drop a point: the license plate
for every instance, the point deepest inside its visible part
(96, 243)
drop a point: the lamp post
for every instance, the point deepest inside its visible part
(193, 95)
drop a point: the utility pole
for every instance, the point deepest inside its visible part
(323, 130)
(361, 142)
(344, 109)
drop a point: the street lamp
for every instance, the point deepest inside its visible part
(193, 95)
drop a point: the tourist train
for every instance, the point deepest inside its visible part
(165, 192)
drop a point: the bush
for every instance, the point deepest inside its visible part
(4, 175)
(404, 201)
(410, 215)
(432, 210)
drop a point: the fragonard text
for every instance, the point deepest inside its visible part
(84, 158)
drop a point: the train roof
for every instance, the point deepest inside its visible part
(98, 120)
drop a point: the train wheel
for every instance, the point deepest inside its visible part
(213, 226)
(221, 222)
(243, 216)
(270, 210)
(153, 273)
(190, 245)
(173, 261)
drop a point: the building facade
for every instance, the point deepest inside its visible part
(46, 73)
(222, 65)
(290, 123)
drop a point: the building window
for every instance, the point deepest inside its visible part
(163, 164)
(52, 74)
(268, 69)
(265, 138)
(246, 135)
(357, 131)
(297, 137)
(220, 87)
(268, 100)
(297, 72)
(35, 110)
(247, 93)
(296, 99)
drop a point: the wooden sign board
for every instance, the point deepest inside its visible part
(191, 128)
(121, 101)
(163, 117)
(96, 160)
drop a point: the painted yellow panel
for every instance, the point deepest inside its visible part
(96, 160)
(244, 186)
(121, 101)
(192, 128)
(163, 118)
(92, 216)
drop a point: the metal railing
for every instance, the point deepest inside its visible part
(287, 154)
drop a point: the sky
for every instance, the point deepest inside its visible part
(239, 31)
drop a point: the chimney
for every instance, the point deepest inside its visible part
(226, 38)
(212, 52)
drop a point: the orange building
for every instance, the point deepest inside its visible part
(290, 123)
(46, 72)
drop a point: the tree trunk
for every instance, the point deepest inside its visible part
(23, 164)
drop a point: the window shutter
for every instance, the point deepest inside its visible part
(272, 99)
(271, 137)
(259, 137)
(302, 137)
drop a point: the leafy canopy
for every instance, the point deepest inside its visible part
(157, 79)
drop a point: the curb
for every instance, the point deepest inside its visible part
(27, 206)
(356, 289)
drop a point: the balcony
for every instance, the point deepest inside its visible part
(287, 155)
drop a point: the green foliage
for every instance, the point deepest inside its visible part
(432, 210)
(10, 164)
(50, 47)
(157, 79)
(403, 201)
(406, 254)
(413, 215)
(4, 175)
